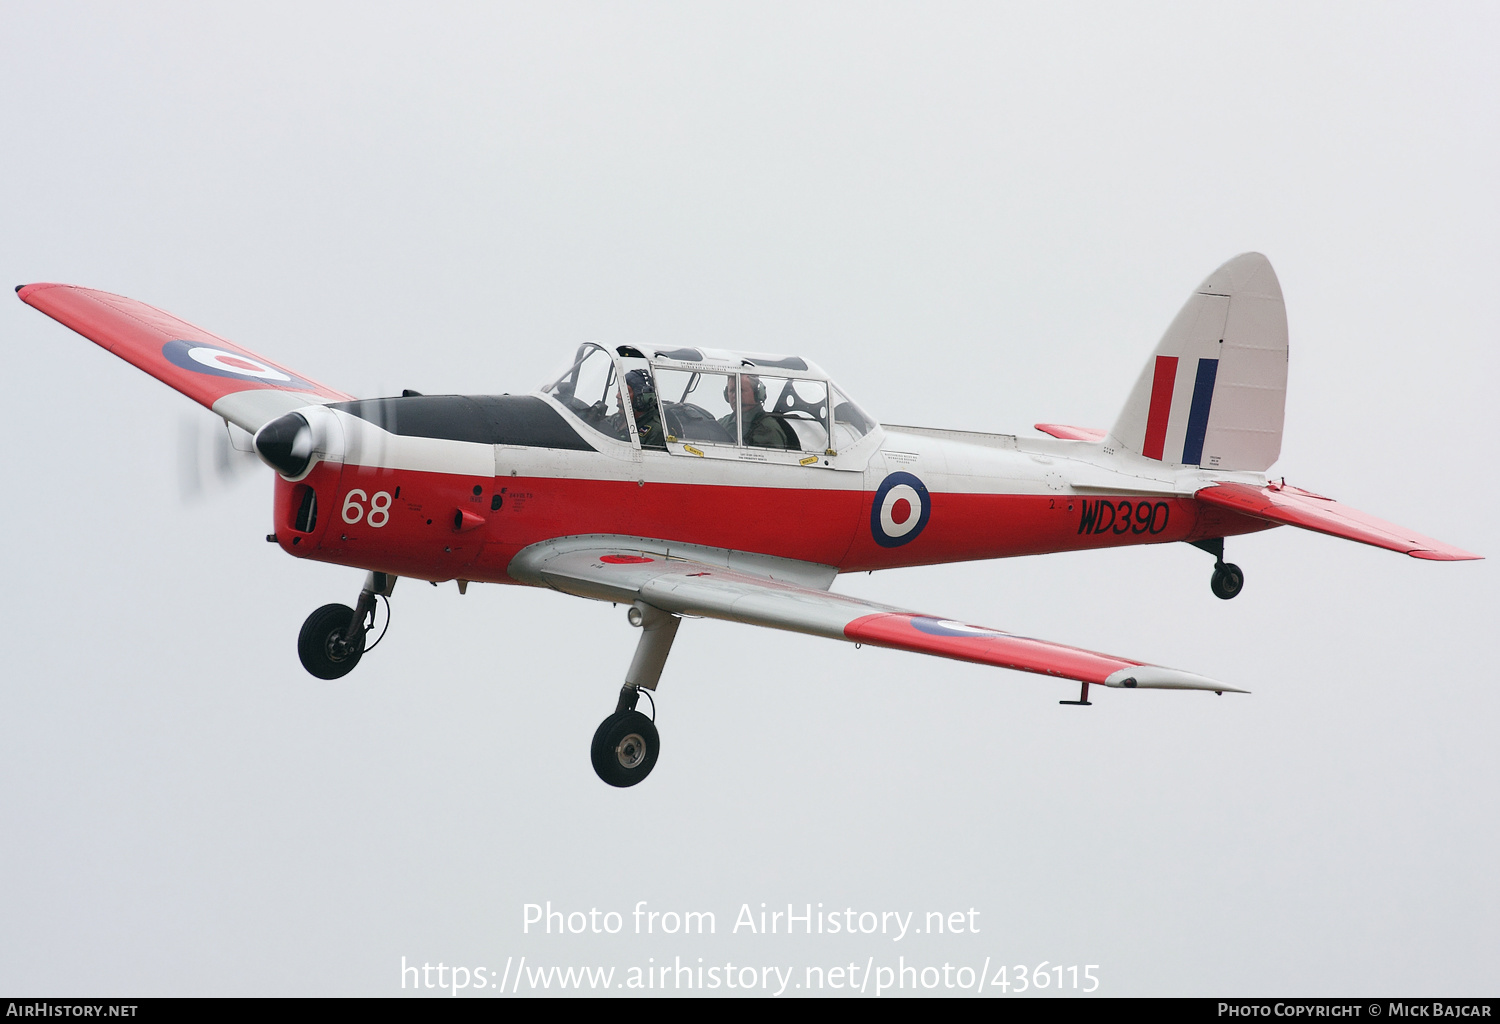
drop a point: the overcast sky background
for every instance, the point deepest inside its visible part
(974, 216)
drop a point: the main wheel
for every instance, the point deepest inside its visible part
(625, 748)
(321, 644)
(1227, 581)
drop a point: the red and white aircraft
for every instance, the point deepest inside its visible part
(738, 485)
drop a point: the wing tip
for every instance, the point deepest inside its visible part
(24, 290)
(1445, 555)
(1155, 677)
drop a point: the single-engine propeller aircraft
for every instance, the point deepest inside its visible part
(738, 485)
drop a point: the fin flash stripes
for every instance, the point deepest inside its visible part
(1161, 406)
(1163, 383)
(1203, 398)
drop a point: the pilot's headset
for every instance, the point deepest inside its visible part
(760, 389)
(642, 390)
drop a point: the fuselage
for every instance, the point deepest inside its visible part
(461, 506)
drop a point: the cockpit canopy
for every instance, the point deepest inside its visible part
(683, 398)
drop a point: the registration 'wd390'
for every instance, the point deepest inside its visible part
(1104, 516)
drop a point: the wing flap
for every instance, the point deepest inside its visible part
(1292, 506)
(210, 370)
(694, 582)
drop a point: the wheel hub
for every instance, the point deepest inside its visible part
(337, 647)
(631, 750)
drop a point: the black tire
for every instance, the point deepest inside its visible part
(1227, 581)
(321, 644)
(625, 748)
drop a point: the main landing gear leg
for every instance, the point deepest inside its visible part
(626, 745)
(1228, 580)
(333, 638)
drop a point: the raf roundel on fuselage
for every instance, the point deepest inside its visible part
(900, 511)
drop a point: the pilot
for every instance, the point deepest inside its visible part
(762, 430)
(643, 404)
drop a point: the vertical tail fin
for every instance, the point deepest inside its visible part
(1214, 392)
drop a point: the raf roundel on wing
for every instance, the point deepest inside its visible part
(948, 627)
(219, 362)
(900, 511)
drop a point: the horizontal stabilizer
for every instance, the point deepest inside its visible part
(1068, 433)
(232, 381)
(1279, 503)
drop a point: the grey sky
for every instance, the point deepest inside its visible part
(974, 216)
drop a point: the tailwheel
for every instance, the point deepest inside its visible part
(327, 646)
(625, 748)
(1227, 581)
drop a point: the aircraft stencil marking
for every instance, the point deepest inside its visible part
(645, 477)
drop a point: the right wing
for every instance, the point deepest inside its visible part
(783, 594)
(234, 382)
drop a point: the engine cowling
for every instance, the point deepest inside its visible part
(292, 444)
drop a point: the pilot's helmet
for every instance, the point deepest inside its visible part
(642, 389)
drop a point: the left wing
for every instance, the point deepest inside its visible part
(783, 594)
(244, 388)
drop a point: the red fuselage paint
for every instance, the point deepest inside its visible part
(416, 535)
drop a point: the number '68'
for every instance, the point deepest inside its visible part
(380, 506)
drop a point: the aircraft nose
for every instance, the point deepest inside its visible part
(286, 444)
